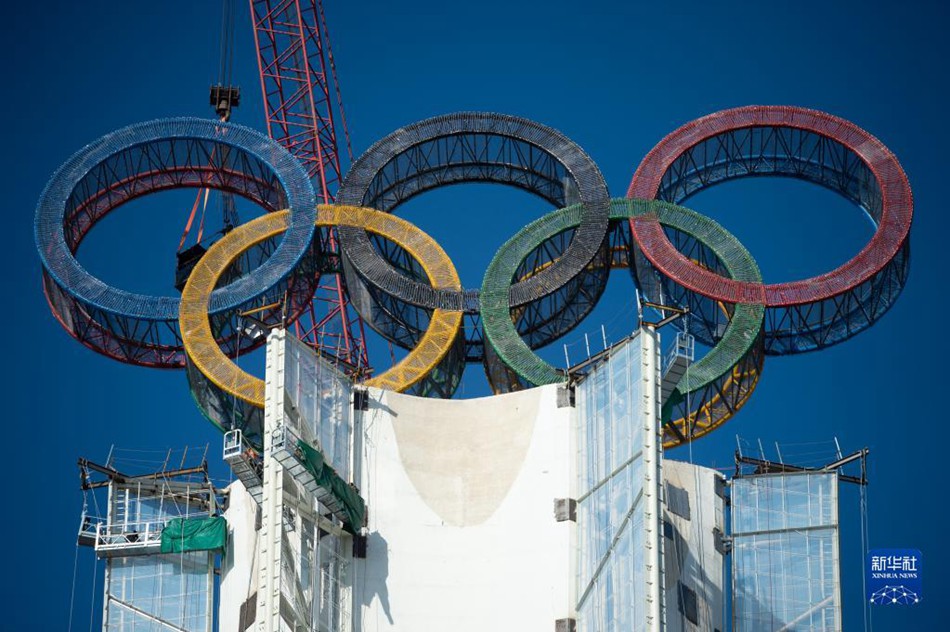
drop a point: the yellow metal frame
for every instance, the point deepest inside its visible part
(703, 428)
(206, 355)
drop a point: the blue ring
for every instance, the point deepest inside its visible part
(283, 176)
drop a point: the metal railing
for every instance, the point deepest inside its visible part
(233, 444)
(685, 346)
(129, 535)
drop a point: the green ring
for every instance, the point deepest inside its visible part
(738, 344)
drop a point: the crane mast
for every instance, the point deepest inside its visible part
(304, 113)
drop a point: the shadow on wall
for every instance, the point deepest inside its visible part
(376, 572)
(684, 570)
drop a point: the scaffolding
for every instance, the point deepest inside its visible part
(158, 531)
(310, 511)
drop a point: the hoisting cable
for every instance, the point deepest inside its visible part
(225, 70)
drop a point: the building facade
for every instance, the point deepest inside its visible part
(548, 508)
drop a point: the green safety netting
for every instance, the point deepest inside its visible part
(181, 535)
(353, 504)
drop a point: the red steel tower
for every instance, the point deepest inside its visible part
(297, 69)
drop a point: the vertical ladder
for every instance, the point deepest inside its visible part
(272, 496)
(653, 476)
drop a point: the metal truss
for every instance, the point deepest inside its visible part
(232, 399)
(295, 82)
(712, 390)
(460, 158)
(156, 156)
(477, 147)
(802, 144)
(554, 315)
(297, 69)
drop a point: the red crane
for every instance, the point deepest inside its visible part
(297, 70)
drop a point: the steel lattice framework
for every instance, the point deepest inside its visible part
(797, 143)
(540, 284)
(233, 399)
(155, 156)
(293, 62)
(714, 389)
(472, 147)
(296, 69)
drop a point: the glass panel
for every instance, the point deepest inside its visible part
(610, 483)
(156, 591)
(783, 501)
(313, 570)
(785, 552)
(146, 590)
(318, 404)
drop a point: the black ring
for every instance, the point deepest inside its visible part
(459, 148)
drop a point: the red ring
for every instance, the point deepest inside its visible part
(897, 207)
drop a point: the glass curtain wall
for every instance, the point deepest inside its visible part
(785, 553)
(159, 592)
(315, 558)
(317, 400)
(611, 576)
(156, 591)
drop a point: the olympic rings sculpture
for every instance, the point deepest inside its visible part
(804, 144)
(715, 386)
(217, 379)
(472, 147)
(154, 156)
(539, 285)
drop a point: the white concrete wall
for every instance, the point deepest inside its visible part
(238, 567)
(462, 534)
(691, 557)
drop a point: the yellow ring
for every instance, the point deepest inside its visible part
(207, 356)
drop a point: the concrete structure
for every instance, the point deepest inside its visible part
(541, 509)
(544, 509)
(239, 564)
(694, 528)
(462, 531)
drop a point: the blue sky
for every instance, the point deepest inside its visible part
(615, 77)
